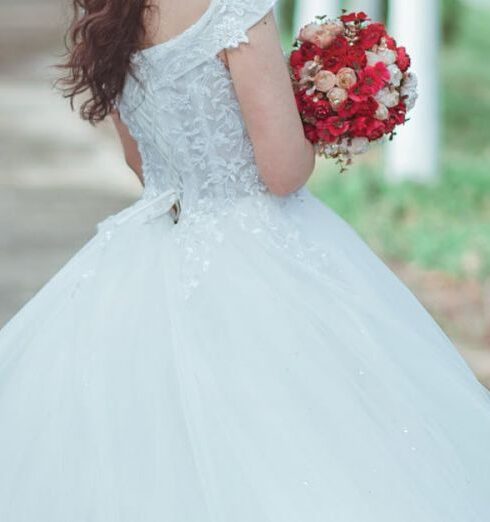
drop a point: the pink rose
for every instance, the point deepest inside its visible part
(321, 35)
(323, 39)
(346, 78)
(325, 81)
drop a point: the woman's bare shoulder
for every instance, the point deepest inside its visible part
(169, 18)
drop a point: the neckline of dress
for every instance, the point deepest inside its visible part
(186, 32)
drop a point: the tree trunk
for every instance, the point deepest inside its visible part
(306, 10)
(414, 154)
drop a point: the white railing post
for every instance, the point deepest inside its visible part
(414, 154)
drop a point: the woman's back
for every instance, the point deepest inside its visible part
(183, 111)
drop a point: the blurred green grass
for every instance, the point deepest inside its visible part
(446, 226)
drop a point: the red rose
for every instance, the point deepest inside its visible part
(297, 62)
(359, 127)
(367, 107)
(355, 58)
(348, 109)
(309, 51)
(297, 59)
(306, 105)
(335, 56)
(333, 63)
(398, 114)
(339, 46)
(375, 129)
(337, 126)
(311, 133)
(371, 128)
(371, 81)
(371, 35)
(356, 94)
(323, 109)
(354, 17)
(299, 101)
(322, 128)
(403, 59)
(390, 43)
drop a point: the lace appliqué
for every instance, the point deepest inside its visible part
(183, 112)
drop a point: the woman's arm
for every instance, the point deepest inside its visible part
(131, 153)
(284, 156)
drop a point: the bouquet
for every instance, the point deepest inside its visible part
(352, 84)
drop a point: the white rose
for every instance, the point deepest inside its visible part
(387, 56)
(409, 90)
(372, 58)
(325, 81)
(359, 145)
(396, 76)
(388, 97)
(410, 81)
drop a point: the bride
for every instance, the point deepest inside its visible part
(226, 349)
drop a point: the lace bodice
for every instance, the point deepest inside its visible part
(182, 109)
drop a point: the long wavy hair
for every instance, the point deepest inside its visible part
(99, 43)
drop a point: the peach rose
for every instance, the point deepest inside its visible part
(346, 78)
(337, 96)
(308, 32)
(320, 34)
(323, 38)
(325, 81)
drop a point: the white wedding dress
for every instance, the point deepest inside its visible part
(253, 362)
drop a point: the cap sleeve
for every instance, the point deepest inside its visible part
(234, 19)
(224, 25)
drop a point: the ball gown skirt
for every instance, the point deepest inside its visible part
(134, 388)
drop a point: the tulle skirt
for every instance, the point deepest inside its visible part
(277, 389)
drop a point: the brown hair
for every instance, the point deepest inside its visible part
(99, 43)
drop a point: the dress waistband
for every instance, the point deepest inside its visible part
(145, 210)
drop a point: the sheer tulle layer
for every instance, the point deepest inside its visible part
(275, 393)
